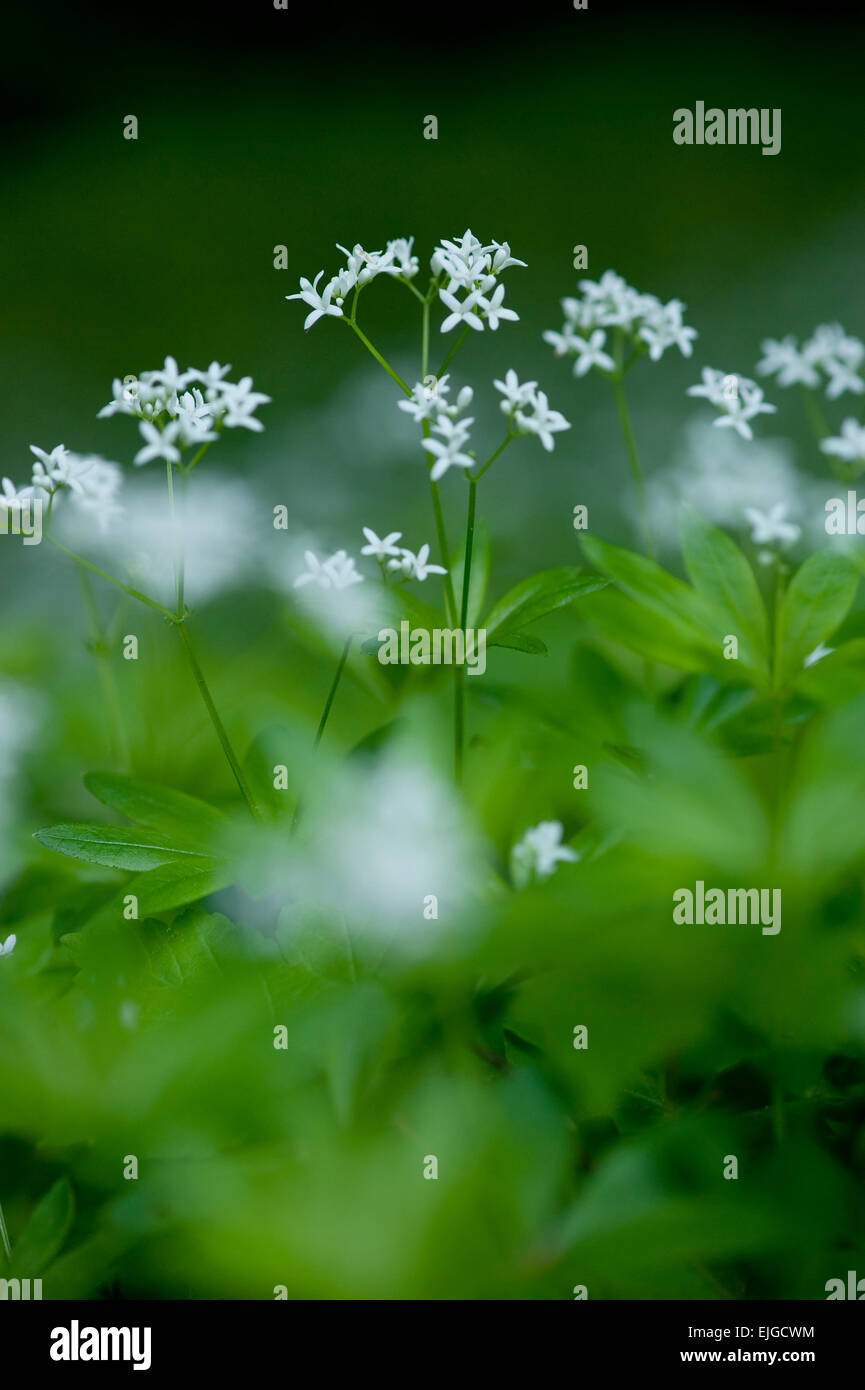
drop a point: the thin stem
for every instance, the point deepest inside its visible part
(378, 357)
(177, 557)
(234, 764)
(424, 352)
(119, 748)
(455, 347)
(133, 593)
(332, 693)
(459, 722)
(473, 477)
(193, 461)
(470, 536)
(814, 409)
(634, 462)
(409, 286)
(4, 1236)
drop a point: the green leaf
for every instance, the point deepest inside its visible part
(720, 573)
(160, 808)
(536, 596)
(837, 677)
(521, 642)
(45, 1232)
(817, 600)
(652, 586)
(116, 847)
(175, 885)
(669, 641)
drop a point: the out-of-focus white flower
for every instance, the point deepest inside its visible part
(381, 549)
(589, 353)
(849, 445)
(415, 566)
(817, 655)
(320, 304)
(160, 443)
(212, 378)
(8, 946)
(539, 851)
(768, 528)
(170, 376)
(829, 350)
(240, 401)
(737, 397)
(13, 498)
(612, 303)
(336, 572)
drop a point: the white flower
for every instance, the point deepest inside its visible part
(381, 549)
(123, 401)
(160, 443)
(49, 469)
(663, 328)
(11, 498)
(425, 401)
(415, 566)
(194, 416)
(543, 422)
(211, 379)
(240, 401)
(405, 263)
(842, 378)
(817, 655)
(539, 851)
(515, 392)
(738, 405)
(465, 261)
(8, 946)
(590, 354)
(767, 527)
(448, 451)
(849, 445)
(461, 312)
(492, 308)
(336, 572)
(563, 343)
(320, 304)
(170, 376)
(503, 259)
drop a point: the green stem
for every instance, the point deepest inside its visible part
(459, 672)
(234, 764)
(424, 353)
(177, 553)
(192, 462)
(378, 357)
(455, 347)
(470, 536)
(100, 647)
(4, 1236)
(473, 477)
(634, 463)
(94, 569)
(332, 693)
(814, 410)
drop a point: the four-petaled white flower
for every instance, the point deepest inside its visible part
(543, 421)
(737, 397)
(849, 445)
(381, 549)
(770, 527)
(492, 308)
(515, 392)
(320, 304)
(461, 312)
(448, 451)
(539, 851)
(160, 443)
(8, 945)
(11, 498)
(415, 566)
(590, 354)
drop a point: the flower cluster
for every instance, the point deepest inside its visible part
(528, 409)
(473, 269)
(91, 483)
(829, 358)
(737, 397)
(538, 853)
(611, 302)
(183, 410)
(339, 570)
(465, 263)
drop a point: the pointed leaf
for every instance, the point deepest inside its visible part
(536, 596)
(45, 1232)
(817, 600)
(117, 847)
(720, 574)
(160, 808)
